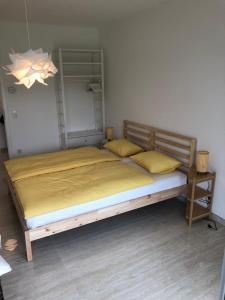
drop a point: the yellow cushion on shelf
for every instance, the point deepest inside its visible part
(123, 147)
(156, 162)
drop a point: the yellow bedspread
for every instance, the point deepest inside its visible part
(21, 168)
(54, 191)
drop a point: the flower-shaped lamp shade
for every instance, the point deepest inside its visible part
(31, 66)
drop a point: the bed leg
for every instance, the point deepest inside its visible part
(28, 246)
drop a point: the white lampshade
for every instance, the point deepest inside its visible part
(31, 66)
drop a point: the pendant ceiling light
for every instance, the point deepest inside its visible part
(32, 65)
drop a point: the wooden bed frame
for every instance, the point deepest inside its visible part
(179, 146)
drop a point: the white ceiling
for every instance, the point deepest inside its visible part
(72, 11)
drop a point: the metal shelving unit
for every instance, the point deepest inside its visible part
(81, 65)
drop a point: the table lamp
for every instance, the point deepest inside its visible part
(202, 160)
(109, 133)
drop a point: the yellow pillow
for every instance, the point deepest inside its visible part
(123, 147)
(156, 162)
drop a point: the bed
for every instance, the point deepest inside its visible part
(53, 221)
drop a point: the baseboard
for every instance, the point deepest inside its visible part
(218, 219)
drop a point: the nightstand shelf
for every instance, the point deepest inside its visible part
(199, 211)
(198, 177)
(199, 193)
(195, 194)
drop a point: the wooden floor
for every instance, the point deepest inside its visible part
(146, 254)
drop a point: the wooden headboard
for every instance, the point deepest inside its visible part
(179, 146)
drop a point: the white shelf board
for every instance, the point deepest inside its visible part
(82, 76)
(84, 133)
(82, 63)
(82, 50)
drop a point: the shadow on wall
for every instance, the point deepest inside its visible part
(2, 127)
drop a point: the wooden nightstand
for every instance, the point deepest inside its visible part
(194, 210)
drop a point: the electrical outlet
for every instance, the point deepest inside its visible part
(14, 114)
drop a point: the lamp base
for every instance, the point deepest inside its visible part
(202, 173)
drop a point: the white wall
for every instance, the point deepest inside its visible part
(166, 67)
(79, 106)
(35, 129)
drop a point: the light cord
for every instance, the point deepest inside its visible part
(27, 23)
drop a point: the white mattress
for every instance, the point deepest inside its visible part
(162, 182)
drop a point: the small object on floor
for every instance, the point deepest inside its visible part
(10, 245)
(212, 227)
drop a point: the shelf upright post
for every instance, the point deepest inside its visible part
(103, 92)
(62, 116)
